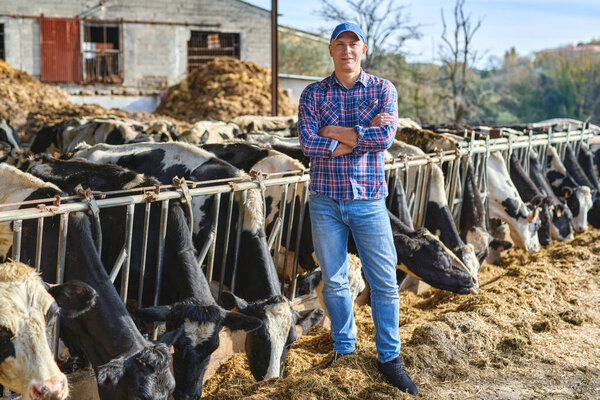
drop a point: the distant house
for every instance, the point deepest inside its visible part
(123, 53)
(145, 44)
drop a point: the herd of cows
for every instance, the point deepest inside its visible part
(552, 199)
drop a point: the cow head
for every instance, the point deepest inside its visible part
(193, 330)
(424, 256)
(580, 203)
(267, 347)
(144, 375)
(546, 210)
(561, 223)
(524, 223)
(26, 309)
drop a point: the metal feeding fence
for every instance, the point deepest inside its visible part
(281, 240)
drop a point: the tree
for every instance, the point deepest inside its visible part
(457, 55)
(383, 22)
(303, 55)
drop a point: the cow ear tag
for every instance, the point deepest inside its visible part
(558, 213)
(235, 309)
(566, 194)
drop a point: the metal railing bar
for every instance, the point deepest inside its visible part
(213, 234)
(38, 244)
(128, 238)
(118, 264)
(147, 211)
(226, 242)
(162, 234)
(238, 237)
(16, 245)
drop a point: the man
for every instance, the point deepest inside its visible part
(345, 122)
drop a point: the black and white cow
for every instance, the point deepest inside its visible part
(9, 140)
(27, 310)
(580, 177)
(254, 123)
(472, 222)
(209, 132)
(65, 136)
(126, 364)
(256, 278)
(562, 216)
(579, 198)
(506, 204)
(586, 161)
(194, 314)
(532, 195)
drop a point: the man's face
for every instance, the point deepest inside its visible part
(346, 51)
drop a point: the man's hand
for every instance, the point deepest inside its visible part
(342, 149)
(347, 136)
(382, 119)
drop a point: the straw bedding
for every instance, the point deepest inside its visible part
(532, 333)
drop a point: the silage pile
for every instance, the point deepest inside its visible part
(29, 104)
(533, 332)
(223, 89)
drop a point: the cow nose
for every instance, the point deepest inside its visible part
(55, 388)
(580, 229)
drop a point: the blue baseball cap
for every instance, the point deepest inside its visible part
(347, 27)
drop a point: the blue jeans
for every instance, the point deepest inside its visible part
(369, 223)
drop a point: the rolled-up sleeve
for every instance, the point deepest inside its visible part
(312, 144)
(372, 139)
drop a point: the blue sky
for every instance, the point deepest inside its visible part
(528, 25)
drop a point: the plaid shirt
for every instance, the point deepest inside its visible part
(358, 175)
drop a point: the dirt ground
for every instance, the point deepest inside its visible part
(533, 332)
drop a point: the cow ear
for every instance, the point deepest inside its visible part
(203, 138)
(153, 314)
(74, 298)
(309, 318)
(236, 321)
(111, 372)
(230, 301)
(500, 245)
(171, 337)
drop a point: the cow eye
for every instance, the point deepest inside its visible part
(52, 311)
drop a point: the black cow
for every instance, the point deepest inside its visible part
(126, 365)
(579, 198)
(581, 178)
(195, 315)
(256, 278)
(562, 216)
(530, 194)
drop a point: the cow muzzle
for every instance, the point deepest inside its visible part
(55, 388)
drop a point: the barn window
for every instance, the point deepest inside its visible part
(102, 53)
(205, 46)
(2, 56)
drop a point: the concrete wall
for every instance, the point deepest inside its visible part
(154, 56)
(295, 84)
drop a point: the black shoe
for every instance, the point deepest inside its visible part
(336, 356)
(396, 374)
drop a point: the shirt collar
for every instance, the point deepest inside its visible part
(363, 78)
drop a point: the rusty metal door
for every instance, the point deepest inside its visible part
(60, 50)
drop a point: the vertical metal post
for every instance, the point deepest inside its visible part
(16, 245)
(238, 238)
(545, 167)
(144, 250)
(128, 237)
(298, 238)
(62, 247)
(282, 208)
(162, 234)
(274, 58)
(226, 242)
(288, 237)
(215, 225)
(38, 244)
